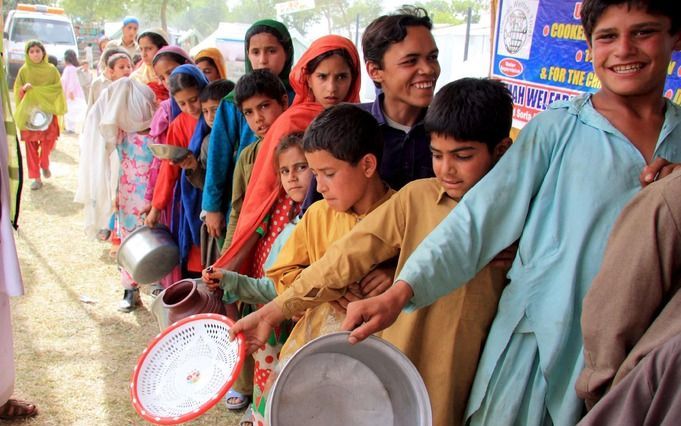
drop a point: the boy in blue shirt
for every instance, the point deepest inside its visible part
(559, 189)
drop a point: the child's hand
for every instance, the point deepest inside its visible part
(188, 163)
(377, 281)
(256, 327)
(656, 170)
(152, 218)
(353, 294)
(212, 277)
(26, 87)
(215, 221)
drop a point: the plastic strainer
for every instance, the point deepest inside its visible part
(186, 369)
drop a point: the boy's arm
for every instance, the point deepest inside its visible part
(375, 239)
(487, 220)
(239, 184)
(638, 278)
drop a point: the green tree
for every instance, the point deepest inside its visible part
(95, 10)
(454, 11)
(203, 15)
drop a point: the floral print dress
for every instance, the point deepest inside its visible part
(133, 178)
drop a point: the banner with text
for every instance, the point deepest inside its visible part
(540, 52)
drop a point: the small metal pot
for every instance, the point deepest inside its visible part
(370, 383)
(148, 254)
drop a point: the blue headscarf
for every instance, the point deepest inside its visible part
(188, 222)
(130, 20)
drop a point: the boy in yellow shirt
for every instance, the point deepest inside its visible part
(469, 122)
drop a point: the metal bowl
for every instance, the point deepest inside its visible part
(38, 120)
(330, 382)
(148, 254)
(168, 152)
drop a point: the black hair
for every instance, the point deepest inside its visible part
(472, 109)
(206, 59)
(112, 59)
(345, 131)
(53, 60)
(108, 53)
(182, 81)
(155, 39)
(259, 82)
(592, 10)
(291, 140)
(34, 43)
(70, 57)
(386, 30)
(259, 29)
(314, 63)
(175, 57)
(216, 90)
(136, 58)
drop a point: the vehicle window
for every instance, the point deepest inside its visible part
(52, 32)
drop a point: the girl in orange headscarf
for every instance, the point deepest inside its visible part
(211, 62)
(328, 73)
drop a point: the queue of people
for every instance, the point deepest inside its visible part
(415, 215)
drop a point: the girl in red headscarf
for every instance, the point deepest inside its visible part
(328, 73)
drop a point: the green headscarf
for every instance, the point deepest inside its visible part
(14, 152)
(287, 43)
(46, 94)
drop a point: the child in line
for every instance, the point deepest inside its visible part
(185, 85)
(334, 55)
(104, 78)
(150, 42)
(194, 165)
(469, 122)
(268, 45)
(210, 97)
(211, 62)
(347, 173)
(261, 97)
(75, 98)
(38, 87)
(559, 189)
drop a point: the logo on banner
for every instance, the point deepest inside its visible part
(510, 67)
(517, 28)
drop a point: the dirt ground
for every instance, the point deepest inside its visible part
(75, 359)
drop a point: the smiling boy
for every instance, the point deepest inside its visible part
(559, 190)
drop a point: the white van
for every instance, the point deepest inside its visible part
(50, 25)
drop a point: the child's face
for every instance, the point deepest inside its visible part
(148, 50)
(265, 52)
(631, 51)
(209, 108)
(122, 68)
(163, 68)
(130, 32)
(458, 165)
(35, 54)
(208, 70)
(330, 82)
(410, 69)
(342, 185)
(188, 101)
(260, 112)
(294, 173)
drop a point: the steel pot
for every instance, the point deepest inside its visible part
(148, 254)
(330, 382)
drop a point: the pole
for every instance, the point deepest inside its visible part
(357, 30)
(468, 33)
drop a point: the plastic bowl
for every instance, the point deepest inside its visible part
(186, 369)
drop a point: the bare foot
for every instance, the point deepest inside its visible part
(15, 409)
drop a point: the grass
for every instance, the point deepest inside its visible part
(74, 360)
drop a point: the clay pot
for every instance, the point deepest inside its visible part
(188, 297)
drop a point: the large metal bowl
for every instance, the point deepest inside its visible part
(38, 120)
(168, 152)
(148, 254)
(330, 382)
